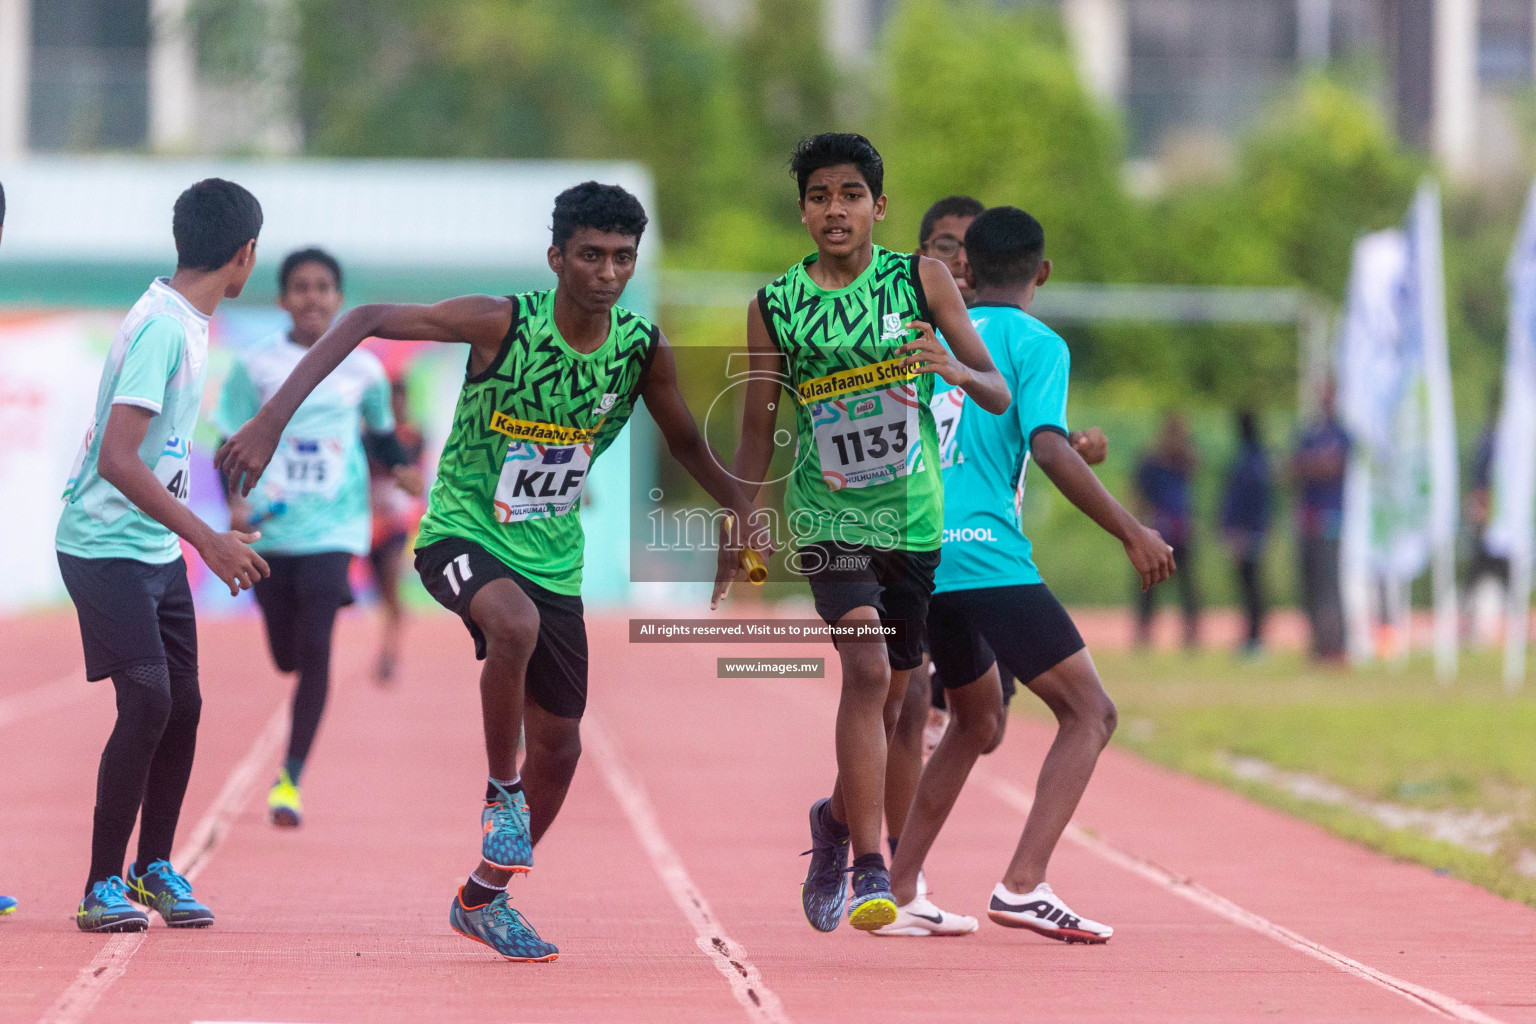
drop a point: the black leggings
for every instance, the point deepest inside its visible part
(146, 763)
(299, 602)
(1250, 583)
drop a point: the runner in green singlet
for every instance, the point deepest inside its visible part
(552, 379)
(850, 333)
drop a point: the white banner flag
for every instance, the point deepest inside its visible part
(1395, 398)
(1427, 278)
(1371, 380)
(1514, 449)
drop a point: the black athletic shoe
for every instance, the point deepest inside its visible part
(824, 890)
(106, 909)
(164, 889)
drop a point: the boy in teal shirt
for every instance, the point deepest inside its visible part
(988, 594)
(125, 507)
(312, 505)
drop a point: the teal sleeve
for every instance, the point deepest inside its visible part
(238, 400)
(1042, 402)
(151, 361)
(378, 413)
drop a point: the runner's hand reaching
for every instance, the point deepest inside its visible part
(244, 457)
(733, 543)
(927, 354)
(1063, 464)
(229, 556)
(1150, 556)
(1091, 444)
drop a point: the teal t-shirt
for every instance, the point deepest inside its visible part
(313, 496)
(983, 457)
(159, 362)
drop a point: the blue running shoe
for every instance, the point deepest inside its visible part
(872, 905)
(161, 888)
(507, 844)
(7, 905)
(500, 926)
(106, 909)
(824, 890)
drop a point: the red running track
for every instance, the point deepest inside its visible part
(671, 880)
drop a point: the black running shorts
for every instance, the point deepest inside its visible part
(317, 579)
(1025, 625)
(301, 591)
(897, 584)
(455, 569)
(132, 613)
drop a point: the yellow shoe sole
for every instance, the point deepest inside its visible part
(872, 915)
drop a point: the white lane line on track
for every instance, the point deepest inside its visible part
(760, 1003)
(82, 995)
(1425, 998)
(60, 693)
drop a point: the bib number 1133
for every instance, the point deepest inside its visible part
(865, 440)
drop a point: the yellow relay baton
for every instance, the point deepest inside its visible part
(757, 572)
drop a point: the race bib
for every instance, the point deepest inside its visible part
(173, 469)
(867, 439)
(307, 466)
(539, 481)
(947, 410)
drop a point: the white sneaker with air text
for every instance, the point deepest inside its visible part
(1042, 911)
(920, 918)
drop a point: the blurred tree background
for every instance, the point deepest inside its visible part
(960, 96)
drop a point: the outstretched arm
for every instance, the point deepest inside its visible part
(687, 445)
(966, 362)
(765, 389)
(1150, 555)
(480, 321)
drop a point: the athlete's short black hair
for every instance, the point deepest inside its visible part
(2, 206)
(949, 206)
(831, 149)
(294, 260)
(212, 221)
(1004, 246)
(594, 205)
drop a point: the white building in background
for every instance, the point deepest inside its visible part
(93, 75)
(114, 75)
(1189, 67)
(1187, 73)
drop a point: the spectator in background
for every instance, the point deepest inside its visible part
(1245, 509)
(1487, 570)
(1162, 484)
(396, 511)
(1322, 454)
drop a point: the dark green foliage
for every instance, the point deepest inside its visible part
(960, 95)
